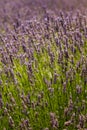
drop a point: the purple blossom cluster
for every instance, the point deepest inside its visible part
(43, 69)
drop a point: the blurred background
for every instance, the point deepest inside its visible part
(27, 9)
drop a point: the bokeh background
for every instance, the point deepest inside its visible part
(34, 7)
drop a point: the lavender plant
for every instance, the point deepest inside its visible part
(43, 70)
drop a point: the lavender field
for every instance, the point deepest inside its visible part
(43, 65)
